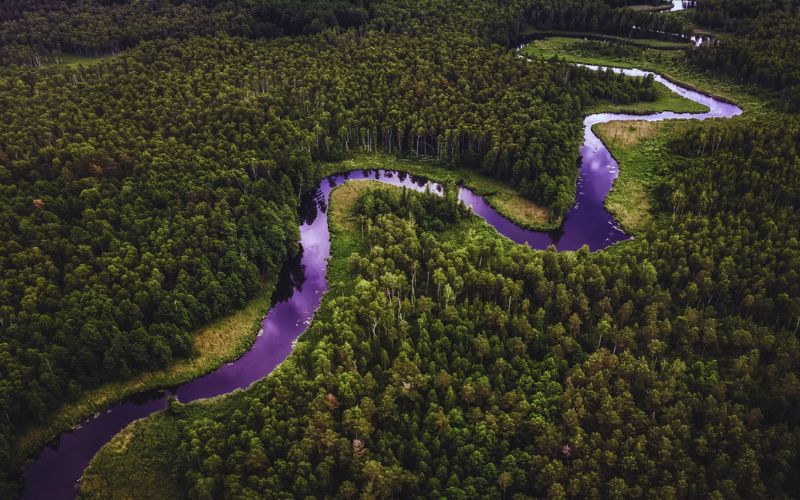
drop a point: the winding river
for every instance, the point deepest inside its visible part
(55, 473)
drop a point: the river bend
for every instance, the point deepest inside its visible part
(55, 473)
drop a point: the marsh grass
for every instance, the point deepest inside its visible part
(641, 149)
(650, 8)
(139, 462)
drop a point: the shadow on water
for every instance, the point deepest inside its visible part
(291, 277)
(310, 205)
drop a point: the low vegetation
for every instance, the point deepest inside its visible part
(641, 149)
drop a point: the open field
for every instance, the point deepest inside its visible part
(654, 43)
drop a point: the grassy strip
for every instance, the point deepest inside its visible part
(501, 196)
(640, 148)
(653, 43)
(215, 344)
(666, 100)
(650, 8)
(345, 235)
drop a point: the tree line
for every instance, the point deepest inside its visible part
(33, 33)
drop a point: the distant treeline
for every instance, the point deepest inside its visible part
(761, 47)
(91, 27)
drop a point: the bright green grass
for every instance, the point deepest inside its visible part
(650, 8)
(666, 100)
(640, 42)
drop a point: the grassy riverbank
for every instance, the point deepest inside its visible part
(654, 43)
(501, 196)
(666, 100)
(215, 344)
(650, 8)
(641, 148)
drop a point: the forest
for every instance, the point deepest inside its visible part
(154, 188)
(759, 44)
(145, 196)
(473, 367)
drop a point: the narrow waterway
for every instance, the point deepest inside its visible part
(55, 473)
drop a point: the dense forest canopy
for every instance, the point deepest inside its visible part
(32, 34)
(760, 44)
(146, 194)
(474, 367)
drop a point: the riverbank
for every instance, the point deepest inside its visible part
(641, 149)
(504, 198)
(220, 342)
(666, 100)
(141, 460)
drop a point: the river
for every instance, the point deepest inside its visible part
(55, 473)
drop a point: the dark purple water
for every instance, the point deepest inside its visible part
(56, 471)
